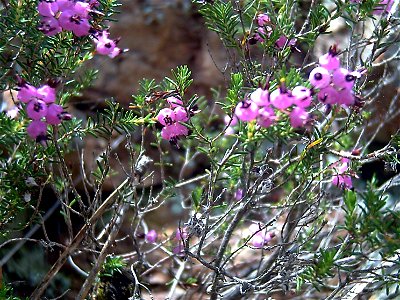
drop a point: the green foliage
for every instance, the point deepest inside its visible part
(221, 18)
(112, 265)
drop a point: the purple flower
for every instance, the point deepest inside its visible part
(47, 9)
(174, 102)
(238, 194)
(151, 236)
(73, 20)
(231, 121)
(246, 110)
(36, 109)
(320, 77)
(27, 93)
(37, 130)
(260, 237)
(181, 233)
(106, 46)
(346, 97)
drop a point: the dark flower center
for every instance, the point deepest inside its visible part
(245, 104)
(37, 107)
(168, 120)
(318, 76)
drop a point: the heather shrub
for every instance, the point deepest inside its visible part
(283, 207)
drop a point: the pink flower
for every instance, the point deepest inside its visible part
(346, 97)
(246, 110)
(37, 130)
(260, 237)
(36, 109)
(298, 117)
(330, 61)
(180, 114)
(178, 249)
(266, 117)
(47, 9)
(343, 78)
(341, 179)
(27, 93)
(47, 94)
(151, 236)
(49, 26)
(320, 77)
(73, 20)
(281, 98)
(106, 46)
(231, 121)
(263, 19)
(328, 95)
(301, 96)
(54, 114)
(166, 116)
(171, 132)
(260, 97)
(174, 102)
(284, 41)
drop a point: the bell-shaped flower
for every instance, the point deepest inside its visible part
(343, 78)
(174, 102)
(328, 95)
(151, 236)
(246, 110)
(37, 129)
(266, 117)
(166, 116)
(180, 114)
(320, 77)
(298, 117)
(281, 98)
(260, 97)
(106, 46)
(36, 109)
(330, 61)
(301, 96)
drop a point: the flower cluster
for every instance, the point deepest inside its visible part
(69, 15)
(65, 14)
(264, 30)
(260, 105)
(335, 83)
(40, 104)
(260, 237)
(170, 118)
